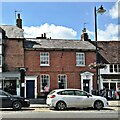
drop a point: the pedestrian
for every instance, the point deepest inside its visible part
(46, 90)
(103, 92)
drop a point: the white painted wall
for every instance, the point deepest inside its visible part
(107, 70)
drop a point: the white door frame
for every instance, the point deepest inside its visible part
(89, 76)
(35, 87)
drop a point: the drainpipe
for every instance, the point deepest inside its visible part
(22, 81)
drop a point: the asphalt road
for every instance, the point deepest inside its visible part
(70, 113)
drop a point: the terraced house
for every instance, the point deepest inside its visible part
(27, 65)
(59, 64)
(30, 64)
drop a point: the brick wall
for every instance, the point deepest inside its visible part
(14, 54)
(61, 62)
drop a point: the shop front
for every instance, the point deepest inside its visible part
(112, 84)
(10, 82)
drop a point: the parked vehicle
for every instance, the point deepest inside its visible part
(61, 99)
(11, 101)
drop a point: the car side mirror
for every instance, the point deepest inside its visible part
(89, 95)
(8, 96)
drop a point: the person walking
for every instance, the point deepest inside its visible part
(46, 90)
(103, 92)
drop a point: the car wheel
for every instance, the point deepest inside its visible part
(61, 105)
(16, 105)
(98, 105)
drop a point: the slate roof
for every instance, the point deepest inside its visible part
(58, 44)
(12, 31)
(110, 51)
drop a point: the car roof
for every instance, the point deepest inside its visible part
(65, 89)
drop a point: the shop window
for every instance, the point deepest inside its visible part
(118, 86)
(113, 86)
(106, 85)
(10, 86)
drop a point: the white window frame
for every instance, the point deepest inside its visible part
(65, 80)
(80, 59)
(45, 58)
(113, 68)
(44, 77)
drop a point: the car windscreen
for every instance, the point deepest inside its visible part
(51, 92)
(4, 93)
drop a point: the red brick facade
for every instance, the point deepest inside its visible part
(61, 62)
(14, 54)
(25, 53)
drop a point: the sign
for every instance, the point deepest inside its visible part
(22, 84)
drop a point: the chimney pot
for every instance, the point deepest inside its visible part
(45, 35)
(19, 21)
(42, 35)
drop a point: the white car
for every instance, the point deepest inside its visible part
(61, 99)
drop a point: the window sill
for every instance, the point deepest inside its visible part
(80, 65)
(44, 65)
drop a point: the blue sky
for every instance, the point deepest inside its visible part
(63, 19)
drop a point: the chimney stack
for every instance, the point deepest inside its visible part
(84, 36)
(19, 22)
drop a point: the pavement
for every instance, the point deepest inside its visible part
(112, 103)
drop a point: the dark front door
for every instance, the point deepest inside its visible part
(86, 85)
(30, 88)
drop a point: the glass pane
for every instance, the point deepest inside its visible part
(111, 68)
(113, 86)
(118, 68)
(115, 68)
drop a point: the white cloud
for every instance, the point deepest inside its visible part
(114, 11)
(53, 31)
(109, 34)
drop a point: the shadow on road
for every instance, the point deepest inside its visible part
(84, 109)
(24, 109)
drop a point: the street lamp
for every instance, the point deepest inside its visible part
(101, 10)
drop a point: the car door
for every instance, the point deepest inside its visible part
(83, 99)
(6, 100)
(69, 98)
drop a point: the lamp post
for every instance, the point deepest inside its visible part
(101, 10)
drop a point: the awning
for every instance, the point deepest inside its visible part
(9, 75)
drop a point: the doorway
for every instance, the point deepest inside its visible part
(86, 85)
(30, 93)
